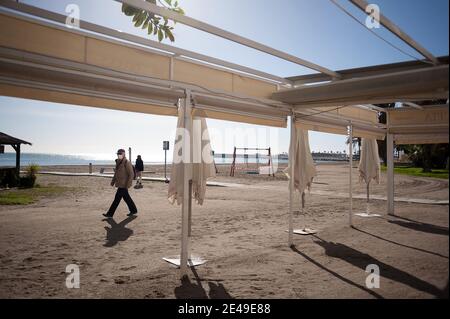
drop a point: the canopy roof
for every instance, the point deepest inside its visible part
(412, 85)
(40, 58)
(10, 140)
(366, 71)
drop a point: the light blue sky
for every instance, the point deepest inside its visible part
(315, 30)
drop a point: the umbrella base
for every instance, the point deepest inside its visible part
(192, 262)
(304, 231)
(367, 215)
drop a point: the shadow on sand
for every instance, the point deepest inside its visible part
(399, 244)
(117, 232)
(348, 281)
(362, 260)
(195, 290)
(419, 226)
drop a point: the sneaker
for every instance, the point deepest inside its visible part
(107, 216)
(132, 214)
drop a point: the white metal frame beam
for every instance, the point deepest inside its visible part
(150, 45)
(226, 35)
(362, 4)
(169, 89)
(187, 177)
(329, 118)
(413, 105)
(371, 107)
(291, 180)
(365, 71)
(419, 84)
(49, 63)
(390, 174)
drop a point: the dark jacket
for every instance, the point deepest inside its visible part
(123, 175)
(139, 165)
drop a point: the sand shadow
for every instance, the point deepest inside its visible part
(335, 274)
(195, 290)
(218, 291)
(422, 227)
(399, 244)
(190, 290)
(419, 226)
(117, 232)
(362, 260)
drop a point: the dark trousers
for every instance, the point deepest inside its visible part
(122, 193)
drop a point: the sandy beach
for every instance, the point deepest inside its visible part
(240, 230)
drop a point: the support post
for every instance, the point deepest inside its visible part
(271, 163)
(390, 174)
(187, 176)
(165, 165)
(17, 148)
(350, 146)
(189, 221)
(291, 183)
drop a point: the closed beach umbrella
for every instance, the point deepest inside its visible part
(198, 164)
(176, 175)
(202, 167)
(369, 166)
(304, 169)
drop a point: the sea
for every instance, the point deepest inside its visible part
(9, 159)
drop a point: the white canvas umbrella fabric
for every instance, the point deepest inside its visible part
(203, 167)
(369, 164)
(304, 168)
(369, 168)
(203, 162)
(198, 152)
(304, 171)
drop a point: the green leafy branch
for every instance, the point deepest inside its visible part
(154, 24)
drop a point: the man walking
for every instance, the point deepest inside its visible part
(123, 179)
(139, 169)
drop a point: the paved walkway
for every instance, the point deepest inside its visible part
(150, 179)
(313, 192)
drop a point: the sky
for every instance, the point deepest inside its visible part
(315, 30)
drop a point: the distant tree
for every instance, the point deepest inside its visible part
(428, 157)
(425, 156)
(154, 24)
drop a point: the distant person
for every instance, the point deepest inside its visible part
(123, 179)
(139, 169)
